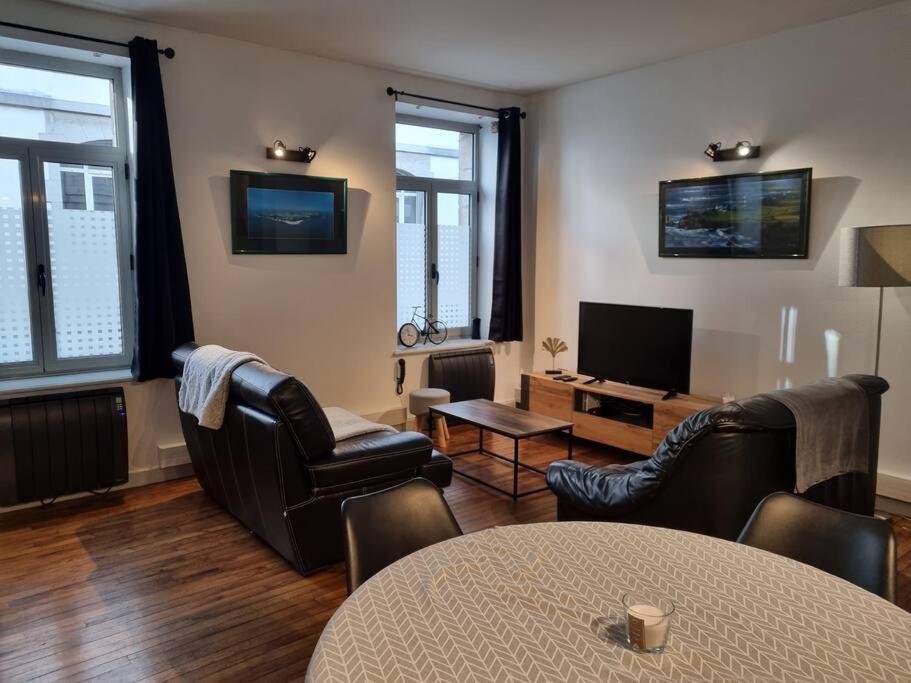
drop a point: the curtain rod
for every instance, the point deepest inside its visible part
(395, 93)
(167, 52)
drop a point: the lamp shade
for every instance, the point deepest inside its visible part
(877, 256)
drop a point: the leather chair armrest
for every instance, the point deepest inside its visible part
(371, 456)
(597, 491)
(873, 385)
(438, 470)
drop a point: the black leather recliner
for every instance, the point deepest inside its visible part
(710, 472)
(275, 465)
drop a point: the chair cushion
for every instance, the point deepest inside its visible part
(370, 456)
(420, 400)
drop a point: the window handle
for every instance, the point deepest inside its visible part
(42, 279)
(434, 273)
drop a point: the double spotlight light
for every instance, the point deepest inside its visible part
(279, 150)
(742, 150)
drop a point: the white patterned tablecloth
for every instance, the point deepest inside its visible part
(541, 602)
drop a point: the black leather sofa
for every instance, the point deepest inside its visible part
(711, 471)
(275, 465)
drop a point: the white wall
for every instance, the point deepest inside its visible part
(330, 320)
(835, 96)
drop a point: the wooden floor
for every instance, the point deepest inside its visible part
(158, 583)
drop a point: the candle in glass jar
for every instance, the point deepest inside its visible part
(648, 626)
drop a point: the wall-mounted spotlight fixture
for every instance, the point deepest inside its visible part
(742, 150)
(709, 151)
(278, 150)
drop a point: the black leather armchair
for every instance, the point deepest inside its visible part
(275, 465)
(711, 471)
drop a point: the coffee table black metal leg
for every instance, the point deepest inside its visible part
(515, 469)
(569, 444)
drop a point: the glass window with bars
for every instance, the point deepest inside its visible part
(64, 218)
(436, 215)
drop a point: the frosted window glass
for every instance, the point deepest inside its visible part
(84, 270)
(454, 253)
(411, 255)
(15, 321)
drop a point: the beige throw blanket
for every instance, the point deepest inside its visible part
(833, 429)
(206, 381)
(347, 425)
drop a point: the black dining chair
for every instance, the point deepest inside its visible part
(382, 527)
(857, 548)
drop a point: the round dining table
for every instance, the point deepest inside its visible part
(542, 602)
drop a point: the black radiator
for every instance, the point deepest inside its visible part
(57, 444)
(464, 374)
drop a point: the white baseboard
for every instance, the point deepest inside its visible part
(174, 458)
(892, 506)
(395, 417)
(897, 488)
(173, 455)
(138, 478)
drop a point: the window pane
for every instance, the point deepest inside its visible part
(454, 254)
(15, 321)
(103, 193)
(36, 104)
(84, 271)
(72, 188)
(411, 255)
(433, 152)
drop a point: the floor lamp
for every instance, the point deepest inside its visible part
(877, 256)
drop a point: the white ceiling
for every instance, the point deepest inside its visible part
(515, 45)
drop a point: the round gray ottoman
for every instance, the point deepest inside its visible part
(420, 400)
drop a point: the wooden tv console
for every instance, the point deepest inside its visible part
(620, 415)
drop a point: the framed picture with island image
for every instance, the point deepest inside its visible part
(747, 215)
(281, 213)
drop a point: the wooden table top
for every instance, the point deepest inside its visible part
(501, 419)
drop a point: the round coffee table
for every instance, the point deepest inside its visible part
(542, 602)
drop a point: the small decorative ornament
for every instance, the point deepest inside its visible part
(553, 346)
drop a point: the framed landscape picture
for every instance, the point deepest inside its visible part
(280, 213)
(748, 215)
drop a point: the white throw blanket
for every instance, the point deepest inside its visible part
(206, 380)
(346, 425)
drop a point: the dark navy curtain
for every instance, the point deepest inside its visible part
(164, 319)
(506, 308)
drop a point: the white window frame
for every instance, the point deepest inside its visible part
(431, 187)
(32, 154)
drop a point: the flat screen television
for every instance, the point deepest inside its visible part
(639, 345)
(746, 215)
